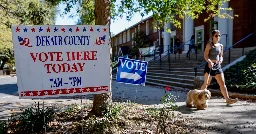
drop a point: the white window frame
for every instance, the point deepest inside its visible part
(120, 39)
(124, 37)
(128, 36)
(132, 38)
(116, 39)
(147, 28)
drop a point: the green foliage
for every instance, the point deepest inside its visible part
(169, 10)
(30, 121)
(87, 16)
(165, 113)
(242, 76)
(169, 101)
(100, 125)
(26, 12)
(163, 10)
(140, 41)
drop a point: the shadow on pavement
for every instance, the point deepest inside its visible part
(10, 89)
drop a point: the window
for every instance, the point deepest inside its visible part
(132, 38)
(147, 28)
(116, 41)
(124, 37)
(128, 36)
(134, 30)
(138, 27)
(120, 39)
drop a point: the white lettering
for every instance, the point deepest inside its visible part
(142, 66)
(131, 65)
(123, 63)
(136, 65)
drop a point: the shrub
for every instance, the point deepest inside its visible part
(30, 121)
(241, 77)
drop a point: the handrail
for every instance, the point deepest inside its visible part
(183, 44)
(239, 41)
(147, 51)
(223, 51)
(202, 43)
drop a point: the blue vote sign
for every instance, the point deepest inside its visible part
(131, 71)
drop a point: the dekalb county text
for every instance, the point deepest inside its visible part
(59, 40)
(58, 57)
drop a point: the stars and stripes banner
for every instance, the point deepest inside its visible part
(63, 92)
(54, 61)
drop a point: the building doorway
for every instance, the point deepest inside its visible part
(199, 38)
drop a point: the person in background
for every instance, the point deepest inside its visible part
(192, 45)
(213, 54)
(177, 48)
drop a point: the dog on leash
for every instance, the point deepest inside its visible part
(199, 98)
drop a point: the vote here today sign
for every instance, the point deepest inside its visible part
(53, 61)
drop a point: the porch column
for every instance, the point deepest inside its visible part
(167, 37)
(188, 31)
(223, 26)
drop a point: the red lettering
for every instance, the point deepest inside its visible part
(73, 56)
(51, 55)
(94, 55)
(81, 66)
(45, 57)
(33, 57)
(87, 55)
(58, 56)
(48, 67)
(68, 55)
(79, 55)
(74, 68)
(54, 68)
(64, 67)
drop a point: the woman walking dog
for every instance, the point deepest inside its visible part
(213, 54)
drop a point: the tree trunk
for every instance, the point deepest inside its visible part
(102, 17)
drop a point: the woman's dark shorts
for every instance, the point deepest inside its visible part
(215, 70)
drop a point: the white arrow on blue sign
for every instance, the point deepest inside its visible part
(131, 71)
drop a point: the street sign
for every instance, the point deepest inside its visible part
(131, 71)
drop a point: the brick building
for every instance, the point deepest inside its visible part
(124, 38)
(232, 30)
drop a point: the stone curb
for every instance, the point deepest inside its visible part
(234, 95)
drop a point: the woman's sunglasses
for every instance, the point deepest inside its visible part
(217, 36)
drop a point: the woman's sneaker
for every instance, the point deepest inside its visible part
(232, 101)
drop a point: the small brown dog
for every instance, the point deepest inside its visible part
(199, 98)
